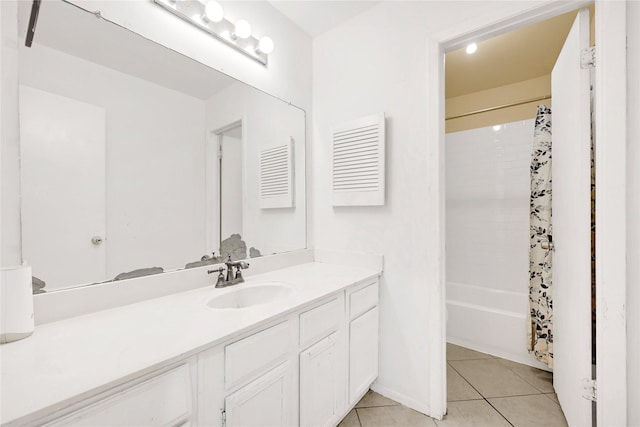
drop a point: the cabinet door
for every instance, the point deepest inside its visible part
(265, 402)
(363, 353)
(320, 390)
(161, 401)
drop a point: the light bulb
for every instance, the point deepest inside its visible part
(472, 48)
(213, 12)
(265, 45)
(497, 128)
(242, 29)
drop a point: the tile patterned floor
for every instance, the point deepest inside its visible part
(482, 391)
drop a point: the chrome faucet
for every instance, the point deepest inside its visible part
(231, 279)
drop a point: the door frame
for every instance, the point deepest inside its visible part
(610, 116)
(212, 185)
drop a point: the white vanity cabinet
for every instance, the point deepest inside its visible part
(259, 378)
(322, 368)
(306, 368)
(265, 402)
(363, 339)
(164, 400)
(321, 376)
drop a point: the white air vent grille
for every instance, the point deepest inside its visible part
(358, 162)
(276, 177)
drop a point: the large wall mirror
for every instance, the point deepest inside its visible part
(136, 159)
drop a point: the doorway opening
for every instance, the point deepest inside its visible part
(225, 164)
(493, 93)
(230, 181)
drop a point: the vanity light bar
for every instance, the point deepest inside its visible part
(193, 11)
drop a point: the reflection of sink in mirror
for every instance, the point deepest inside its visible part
(157, 157)
(245, 296)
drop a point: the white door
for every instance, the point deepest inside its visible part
(265, 402)
(62, 149)
(571, 209)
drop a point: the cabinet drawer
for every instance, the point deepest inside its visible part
(161, 401)
(319, 322)
(247, 358)
(362, 300)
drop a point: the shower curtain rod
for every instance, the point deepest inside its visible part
(499, 107)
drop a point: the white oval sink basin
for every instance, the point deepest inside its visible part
(245, 296)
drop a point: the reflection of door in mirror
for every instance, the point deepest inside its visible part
(62, 144)
(230, 180)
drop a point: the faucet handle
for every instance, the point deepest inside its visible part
(220, 281)
(239, 266)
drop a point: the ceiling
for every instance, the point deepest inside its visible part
(315, 17)
(519, 55)
(112, 46)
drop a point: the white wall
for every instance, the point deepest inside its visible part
(267, 122)
(487, 194)
(11, 247)
(633, 213)
(487, 238)
(154, 159)
(377, 62)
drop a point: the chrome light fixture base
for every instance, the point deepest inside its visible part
(192, 11)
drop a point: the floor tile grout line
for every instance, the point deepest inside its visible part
(375, 406)
(501, 414)
(358, 416)
(540, 392)
(532, 385)
(466, 400)
(468, 382)
(510, 370)
(515, 395)
(529, 382)
(494, 397)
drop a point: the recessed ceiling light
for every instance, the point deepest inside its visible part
(472, 48)
(497, 128)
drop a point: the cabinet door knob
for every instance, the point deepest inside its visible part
(96, 240)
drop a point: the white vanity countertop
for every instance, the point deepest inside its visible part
(66, 361)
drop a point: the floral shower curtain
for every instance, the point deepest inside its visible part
(540, 260)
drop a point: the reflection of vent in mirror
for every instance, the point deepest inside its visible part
(358, 162)
(276, 177)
